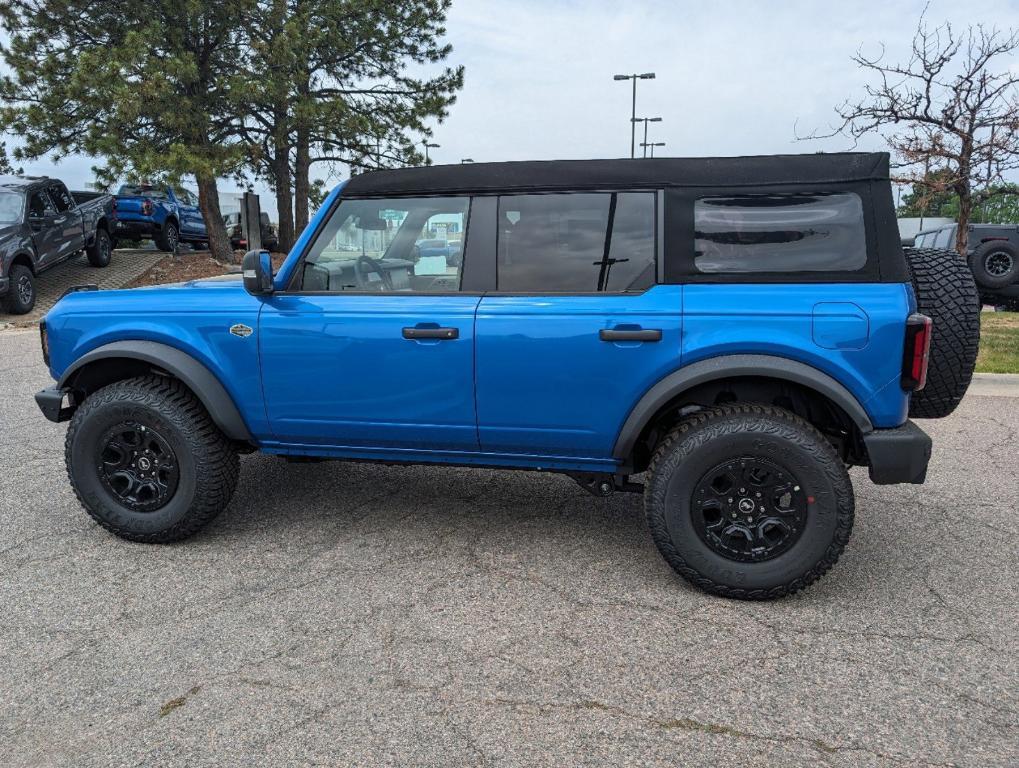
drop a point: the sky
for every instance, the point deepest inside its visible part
(733, 77)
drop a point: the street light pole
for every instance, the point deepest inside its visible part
(426, 145)
(646, 120)
(653, 145)
(633, 111)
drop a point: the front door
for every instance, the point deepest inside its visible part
(47, 229)
(192, 224)
(577, 330)
(371, 347)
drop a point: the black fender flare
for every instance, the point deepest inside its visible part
(731, 366)
(198, 378)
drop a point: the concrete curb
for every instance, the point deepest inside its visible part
(995, 385)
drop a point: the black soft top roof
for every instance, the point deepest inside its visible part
(653, 173)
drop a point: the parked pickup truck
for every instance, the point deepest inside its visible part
(725, 335)
(43, 224)
(166, 215)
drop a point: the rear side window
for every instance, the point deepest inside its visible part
(944, 237)
(788, 232)
(61, 197)
(578, 242)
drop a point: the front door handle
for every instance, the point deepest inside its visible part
(443, 334)
(634, 334)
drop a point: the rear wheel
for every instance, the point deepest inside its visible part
(147, 462)
(20, 298)
(748, 501)
(168, 238)
(101, 249)
(946, 293)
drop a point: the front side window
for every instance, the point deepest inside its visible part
(407, 244)
(39, 206)
(783, 232)
(577, 242)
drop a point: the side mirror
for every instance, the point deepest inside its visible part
(36, 222)
(256, 269)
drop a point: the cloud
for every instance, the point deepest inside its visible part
(733, 76)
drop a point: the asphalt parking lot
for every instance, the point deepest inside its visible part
(344, 614)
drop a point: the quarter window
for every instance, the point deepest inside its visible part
(408, 245)
(580, 242)
(944, 237)
(791, 232)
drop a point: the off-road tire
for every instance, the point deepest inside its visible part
(15, 302)
(101, 249)
(208, 463)
(715, 435)
(946, 293)
(165, 241)
(978, 264)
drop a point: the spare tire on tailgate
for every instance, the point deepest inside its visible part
(946, 293)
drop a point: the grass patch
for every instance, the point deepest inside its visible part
(999, 342)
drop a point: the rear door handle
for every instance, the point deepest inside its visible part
(636, 334)
(431, 333)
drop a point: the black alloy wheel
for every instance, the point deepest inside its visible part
(749, 509)
(25, 289)
(137, 466)
(998, 263)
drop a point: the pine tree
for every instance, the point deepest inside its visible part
(144, 86)
(328, 82)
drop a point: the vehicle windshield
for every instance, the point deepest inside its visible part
(142, 190)
(12, 205)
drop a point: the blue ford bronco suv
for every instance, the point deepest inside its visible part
(726, 335)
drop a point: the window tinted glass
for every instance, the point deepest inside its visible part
(577, 242)
(142, 190)
(411, 244)
(11, 204)
(40, 205)
(790, 232)
(61, 197)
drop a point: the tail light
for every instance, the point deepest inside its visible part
(146, 207)
(916, 352)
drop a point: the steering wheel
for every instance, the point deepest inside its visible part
(362, 272)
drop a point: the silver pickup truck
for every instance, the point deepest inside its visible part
(42, 224)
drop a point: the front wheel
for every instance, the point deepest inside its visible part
(20, 299)
(147, 462)
(748, 502)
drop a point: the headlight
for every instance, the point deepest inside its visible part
(45, 339)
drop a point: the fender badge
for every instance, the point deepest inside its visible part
(240, 329)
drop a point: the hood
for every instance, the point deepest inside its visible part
(8, 232)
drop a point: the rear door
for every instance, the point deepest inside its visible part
(371, 348)
(67, 220)
(576, 330)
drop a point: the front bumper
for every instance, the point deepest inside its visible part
(5, 284)
(51, 403)
(898, 455)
